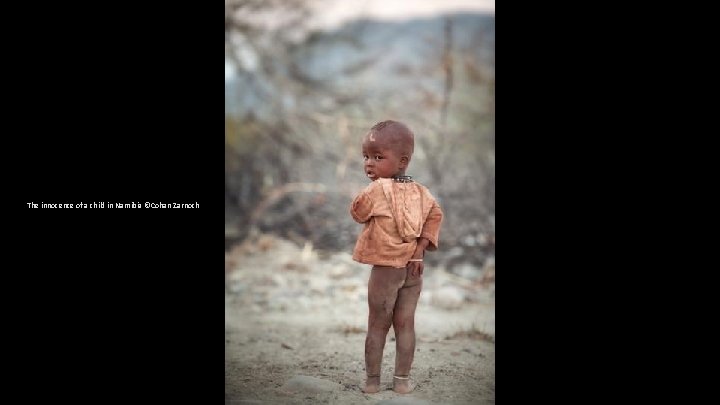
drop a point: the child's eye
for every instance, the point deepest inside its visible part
(378, 157)
(365, 157)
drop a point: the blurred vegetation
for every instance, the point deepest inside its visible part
(300, 101)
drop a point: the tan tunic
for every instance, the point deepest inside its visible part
(395, 215)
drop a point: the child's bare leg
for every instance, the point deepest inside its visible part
(404, 326)
(383, 288)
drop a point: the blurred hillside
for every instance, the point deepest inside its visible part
(299, 101)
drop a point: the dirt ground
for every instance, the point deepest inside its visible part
(295, 323)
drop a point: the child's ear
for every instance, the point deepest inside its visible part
(404, 160)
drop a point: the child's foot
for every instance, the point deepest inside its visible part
(372, 384)
(401, 384)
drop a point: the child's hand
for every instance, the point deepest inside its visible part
(415, 264)
(416, 268)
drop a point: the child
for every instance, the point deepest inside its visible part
(402, 220)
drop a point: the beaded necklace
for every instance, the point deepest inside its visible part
(402, 179)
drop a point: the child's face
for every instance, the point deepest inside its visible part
(382, 161)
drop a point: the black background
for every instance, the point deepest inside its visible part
(115, 104)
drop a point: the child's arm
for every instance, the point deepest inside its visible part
(415, 265)
(422, 244)
(428, 240)
(431, 228)
(361, 208)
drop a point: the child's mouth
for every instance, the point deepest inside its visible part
(371, 175)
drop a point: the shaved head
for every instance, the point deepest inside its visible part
(395, 135)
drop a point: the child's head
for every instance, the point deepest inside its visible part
(387, 149)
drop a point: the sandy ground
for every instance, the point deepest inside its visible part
(295, 325)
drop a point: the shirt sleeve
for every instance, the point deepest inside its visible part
(361, 208)
(431, 228)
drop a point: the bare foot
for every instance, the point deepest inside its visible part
(372, 384)
(401, 385)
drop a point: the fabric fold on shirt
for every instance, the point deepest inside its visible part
(405, 204)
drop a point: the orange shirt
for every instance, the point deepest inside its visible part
(395, 214)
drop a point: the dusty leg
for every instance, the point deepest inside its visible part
(404, 326)
(383, 288)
